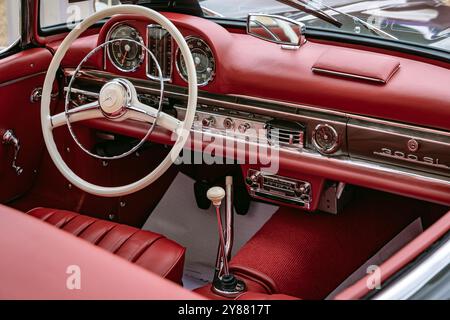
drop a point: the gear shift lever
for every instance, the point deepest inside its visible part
(216, 195)
(224, 284)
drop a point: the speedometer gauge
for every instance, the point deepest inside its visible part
(204, 61)
(126, 55)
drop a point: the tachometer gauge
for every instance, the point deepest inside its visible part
(204, 61)
(126, 56)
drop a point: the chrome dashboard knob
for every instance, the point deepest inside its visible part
(228, 123)
(244, 127)
(209, 122)
(253, 180)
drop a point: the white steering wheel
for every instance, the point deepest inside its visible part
(118, 101)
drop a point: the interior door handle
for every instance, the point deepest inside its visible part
(36, 95)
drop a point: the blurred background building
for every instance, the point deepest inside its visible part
(9, 22)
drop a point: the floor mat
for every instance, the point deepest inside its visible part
(309, 255)
(408, 234)
(178, 218)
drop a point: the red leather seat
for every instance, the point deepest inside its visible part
(149, 250)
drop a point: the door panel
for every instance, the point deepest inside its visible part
(20, 74)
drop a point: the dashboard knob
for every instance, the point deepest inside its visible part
(228, 123)
(252, 180)
(244, 127)
(302, 190)
(209, 122)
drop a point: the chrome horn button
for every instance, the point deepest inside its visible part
(113, 99)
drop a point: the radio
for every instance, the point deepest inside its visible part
(278, 188)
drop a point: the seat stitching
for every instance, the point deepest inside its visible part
(104, 234)
(87, 226)
(51, 214)
(123, 243)
(180, 255)
(145, 248)
(48, 214)
(68, 220)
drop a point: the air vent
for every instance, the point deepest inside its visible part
(285, 133)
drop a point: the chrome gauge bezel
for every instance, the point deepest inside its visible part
(320, 149)
(213, 59)
(140, 40)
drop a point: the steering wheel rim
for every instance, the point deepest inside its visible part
(182, 131)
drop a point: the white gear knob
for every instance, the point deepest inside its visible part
(216, 194)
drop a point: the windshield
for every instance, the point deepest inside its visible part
(419, 22)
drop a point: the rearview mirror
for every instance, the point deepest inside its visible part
(277, 29)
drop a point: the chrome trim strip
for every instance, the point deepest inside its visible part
(414, 280)
(398, 125)
(297, 106)
(293, 105)
(306, 154)
(379, 167)
(347, 115)
(22, 78)
(146, 86)
(402, 134)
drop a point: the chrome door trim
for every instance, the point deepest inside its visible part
(22, 78)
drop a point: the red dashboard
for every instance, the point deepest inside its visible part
(248, 66)
(377, 122)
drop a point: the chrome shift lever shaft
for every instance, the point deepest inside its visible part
(216, 195)
(224, 283)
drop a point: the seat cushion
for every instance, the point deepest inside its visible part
(149, 250)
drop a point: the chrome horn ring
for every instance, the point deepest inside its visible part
(109, 105)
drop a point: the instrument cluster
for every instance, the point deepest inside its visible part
(127, 52)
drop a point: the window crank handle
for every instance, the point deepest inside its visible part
(10, 139)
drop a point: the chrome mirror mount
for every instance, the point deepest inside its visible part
(290, 34)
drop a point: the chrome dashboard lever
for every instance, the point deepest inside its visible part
(10, 139)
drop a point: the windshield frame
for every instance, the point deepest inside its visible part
(428, 52)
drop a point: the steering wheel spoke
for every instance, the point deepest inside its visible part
(145, 113)
(85, 112)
